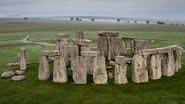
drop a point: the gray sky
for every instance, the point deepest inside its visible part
(121, 8)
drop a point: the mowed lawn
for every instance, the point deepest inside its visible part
(167, 90)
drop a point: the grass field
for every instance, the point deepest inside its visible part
(168, 90)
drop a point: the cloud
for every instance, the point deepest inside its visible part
(135, 8)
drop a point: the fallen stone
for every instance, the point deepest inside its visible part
(18, 78)
(7, 74)
(19, 72)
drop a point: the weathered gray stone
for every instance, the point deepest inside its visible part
(7, 74)
(18, 78)
(120, 74)
(168, 64)
(79, 70)
(110, 45)
(74, 53)
(109, 34)
(178, 64)
(155, 67)
(22, 59)
(62, 46)
(59, 71)
(90, 53)
(44, 72)
(103, 46)
(140, 45)
(82, 42)
(19, 72)
(62, 36)
(131, 42)
(79, 35)
(161, 50)
(99, 71)
(140, 69)
(89, 60)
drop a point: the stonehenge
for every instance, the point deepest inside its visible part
(103, 60)
(108, 59)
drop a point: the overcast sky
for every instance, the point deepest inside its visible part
(116, 8)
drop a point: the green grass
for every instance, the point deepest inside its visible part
(167, 90)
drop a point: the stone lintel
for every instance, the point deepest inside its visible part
(159, 50)
(62, 36)
(128, 38)
(45, 53)
(109, 34)
(90, 53)
(82, 42)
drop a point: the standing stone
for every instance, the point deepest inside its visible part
(79, 35)
(168, 64)
(99, 71)
(131, 42)
(78, 47)
(22, 59)
(141, 44)
(62, 45)
(110, 45)
(140, 69)
(178, 64)
(120, 73)
(59, 71)
(44, 72)
(116, 47)
(155, 67)
(89, 60)
(74, 54)
(79, 71)
(103, 46)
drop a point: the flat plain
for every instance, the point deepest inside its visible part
(168, 90)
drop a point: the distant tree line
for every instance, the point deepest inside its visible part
(160, 22)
